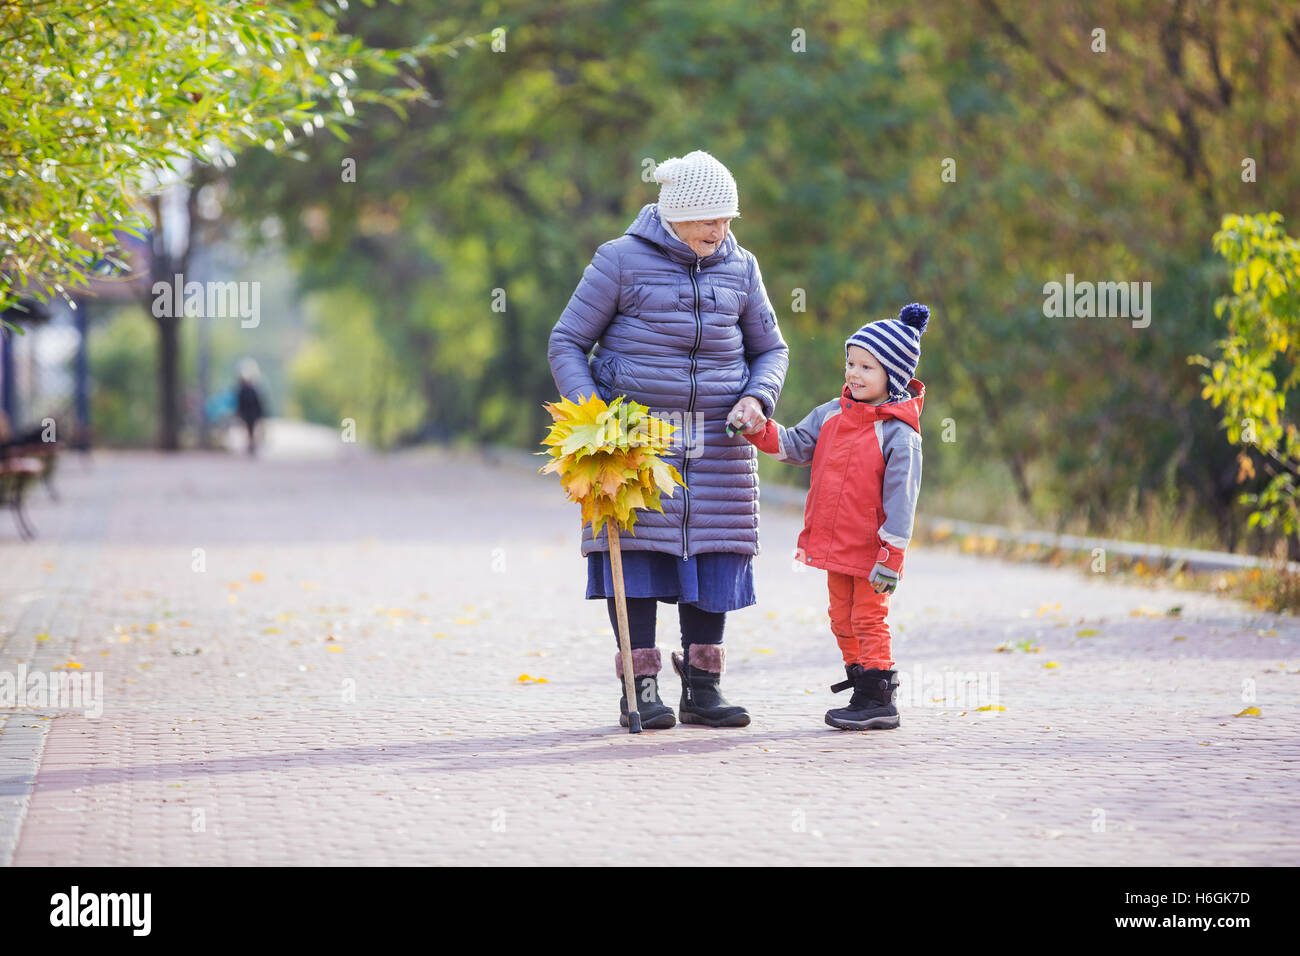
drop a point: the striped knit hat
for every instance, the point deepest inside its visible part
(896, 344)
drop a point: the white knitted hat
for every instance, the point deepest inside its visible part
(695, 186)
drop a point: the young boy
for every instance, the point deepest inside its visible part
(865, 452)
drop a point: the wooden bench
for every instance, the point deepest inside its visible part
(16, 474)
(45, 453)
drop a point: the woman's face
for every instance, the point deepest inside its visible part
(865, 376)
(703, 235)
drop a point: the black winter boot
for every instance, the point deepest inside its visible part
(655, 714)
(872, 705)
(702, 702)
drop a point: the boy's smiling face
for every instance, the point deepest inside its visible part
(865, 376)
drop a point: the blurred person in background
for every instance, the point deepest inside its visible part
(248, 401)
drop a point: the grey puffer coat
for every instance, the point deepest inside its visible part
(688, 338)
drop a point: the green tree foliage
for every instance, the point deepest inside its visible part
(100, 100)
(1263, 314)
(1110, 163)
(124, 399)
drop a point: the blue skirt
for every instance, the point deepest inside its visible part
(714, 581)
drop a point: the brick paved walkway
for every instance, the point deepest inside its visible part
(340, 685)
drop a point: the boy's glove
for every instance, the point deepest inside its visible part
(883, 579)
(885, 575)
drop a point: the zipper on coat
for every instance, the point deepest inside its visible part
(690, 410)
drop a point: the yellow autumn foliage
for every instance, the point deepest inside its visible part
(607, 457)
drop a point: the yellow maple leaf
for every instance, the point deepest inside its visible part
(632, 497)
(611, 476)
(1248, 712)
(607, 458)
(665, 476)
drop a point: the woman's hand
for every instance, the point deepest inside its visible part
(747, 415)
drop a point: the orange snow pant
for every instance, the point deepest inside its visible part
(858, 621)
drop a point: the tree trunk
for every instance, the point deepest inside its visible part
(1014, 461)
(169, 354)
(165, 266)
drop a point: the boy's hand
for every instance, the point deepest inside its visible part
(889, 568)
(883, 580)
(747, 416)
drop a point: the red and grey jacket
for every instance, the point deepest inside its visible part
(866, 476)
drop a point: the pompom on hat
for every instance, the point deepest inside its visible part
(896, 344)
(695, 186)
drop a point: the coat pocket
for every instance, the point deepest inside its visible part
(873, 532)
(603, 372)
(655, 298)
(854, 534)
(729, 301)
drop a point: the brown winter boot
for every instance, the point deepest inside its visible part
(655, 714)
(702, 702)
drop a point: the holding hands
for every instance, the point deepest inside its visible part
(746, 417)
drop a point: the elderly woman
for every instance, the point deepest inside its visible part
(684, 326)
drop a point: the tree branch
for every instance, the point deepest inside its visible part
(1110, 110)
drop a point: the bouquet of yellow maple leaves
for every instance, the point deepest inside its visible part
(607, 457)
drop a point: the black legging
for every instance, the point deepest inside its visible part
(698, 627)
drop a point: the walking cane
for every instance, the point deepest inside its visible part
(607, 457)
(624, 641)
